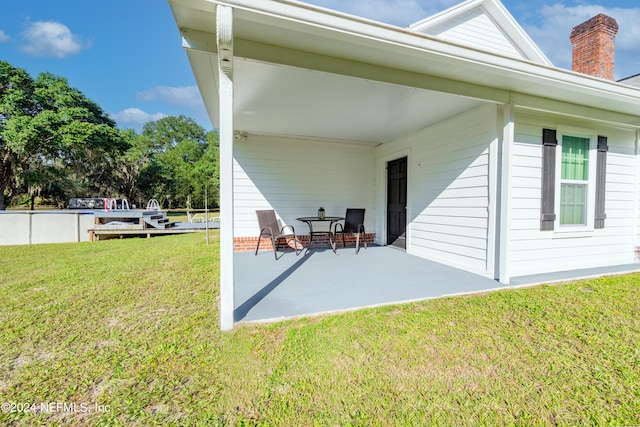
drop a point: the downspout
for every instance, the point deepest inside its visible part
(506, 163)
(224, 36)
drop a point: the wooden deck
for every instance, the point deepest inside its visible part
(140, 223)
(104, 234)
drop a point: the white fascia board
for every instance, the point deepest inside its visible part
(450, 60)
(199, 5)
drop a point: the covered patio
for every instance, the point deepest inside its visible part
(312, 106)
(440, 141)
(322, 282)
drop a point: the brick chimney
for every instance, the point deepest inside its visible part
(594, 46)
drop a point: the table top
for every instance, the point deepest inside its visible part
(317, 218)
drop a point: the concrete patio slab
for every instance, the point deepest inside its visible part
(323, 282)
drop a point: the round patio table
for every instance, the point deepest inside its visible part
(311, 219)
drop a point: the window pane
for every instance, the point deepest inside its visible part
(573, 199)
(575, 158)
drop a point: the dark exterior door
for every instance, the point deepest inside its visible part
(397, 202)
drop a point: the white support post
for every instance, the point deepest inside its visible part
(224, 29)
(636, 194)
(508, 138)
(493, 227)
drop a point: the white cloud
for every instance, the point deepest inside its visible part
(4, 36)
(628, 28)
(135, 118)
(554, 25)
(183, 97)
(52, 39)
(186, 96)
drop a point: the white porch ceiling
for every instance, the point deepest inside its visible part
(284, 100)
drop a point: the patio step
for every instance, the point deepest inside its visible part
(158, 221)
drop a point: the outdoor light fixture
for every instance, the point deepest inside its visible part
(240, 135)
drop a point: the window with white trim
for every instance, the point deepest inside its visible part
(574, 180)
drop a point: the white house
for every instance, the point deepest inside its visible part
(510, 166)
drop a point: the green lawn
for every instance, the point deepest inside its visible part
(132, 326)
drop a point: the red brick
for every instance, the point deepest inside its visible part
(244, 244)
(594, 47)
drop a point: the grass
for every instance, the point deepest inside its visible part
(178, 217)
(132, 325)
(198, 215)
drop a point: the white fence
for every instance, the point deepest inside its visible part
(32, 227)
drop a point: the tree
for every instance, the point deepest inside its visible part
(167, 132)
(55, 144)
(130, 165)
(16, 93)
(45, 125)
(208, 169)
(181, 160)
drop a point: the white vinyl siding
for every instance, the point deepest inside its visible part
(534, 251)
(477, 29)
(296, 177)
(448, 192)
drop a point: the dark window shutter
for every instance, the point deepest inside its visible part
(601, 180)
(547, 212)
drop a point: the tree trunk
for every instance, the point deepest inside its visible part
(3, 186)
(6, 172)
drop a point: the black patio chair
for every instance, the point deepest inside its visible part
(269, 228)
(353, 225)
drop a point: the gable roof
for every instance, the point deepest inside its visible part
(483, 24)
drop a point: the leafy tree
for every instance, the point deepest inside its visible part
(47, 127)
(208, 170)
(167, 132)
(181, 160)
(16, 92)
(129, 166)
(56, 144)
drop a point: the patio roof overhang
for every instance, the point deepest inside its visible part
(310, 72)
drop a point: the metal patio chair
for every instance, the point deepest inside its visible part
(269, 228)
(353, 225)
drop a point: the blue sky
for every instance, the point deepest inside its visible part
(126, 55)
